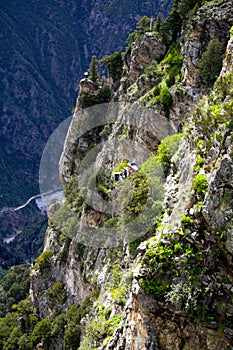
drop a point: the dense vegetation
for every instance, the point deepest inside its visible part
(26, 246)
(23, 330)
(14, 287)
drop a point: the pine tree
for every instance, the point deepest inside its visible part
(114, 63)
(93, 70)
(172, 25)
(186, 7)
(158, 22)
(180, 12)
(211, 62)
(144, 24)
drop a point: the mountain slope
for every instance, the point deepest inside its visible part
(97, 287)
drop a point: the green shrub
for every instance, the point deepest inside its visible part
(177, 247)
(119, 294)
(189, 251)
(114, 63)
(145, 188)
(111, 324)
(99, 329)
(88, 99)
(199, 163)
(44, 260)
(63, 254)
(138, 182)
(231, 30)
(103, 183)
(42, 331)
(165, 97)
(197, 208)
(150, 70)
(186, 221)
(73, 196)
(123, 131)
(155, 255)
(184, 297)
(121, 166)
(88, 302)
(200, 184)
(152, 286)
(164, 74)
(134, 244)
(72, 336)
(167, 149)
(57, 294)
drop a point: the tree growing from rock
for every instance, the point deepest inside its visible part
(94, 70)
(211, 62)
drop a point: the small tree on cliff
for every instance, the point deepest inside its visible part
(180, 12)
(186, 8)
(158, 22)
(171, 27)
(114, 63)
(144, 24)
(93, 70)
(211, 62)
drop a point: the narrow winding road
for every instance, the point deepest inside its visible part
(11, 209)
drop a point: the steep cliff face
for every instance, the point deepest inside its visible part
(136, 60)
(204, 28)
(172, 287)
(217, 208)
(153, 323)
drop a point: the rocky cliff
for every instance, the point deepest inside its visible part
(145, 263)
(204, 28)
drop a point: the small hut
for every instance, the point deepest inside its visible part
(87, 85)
